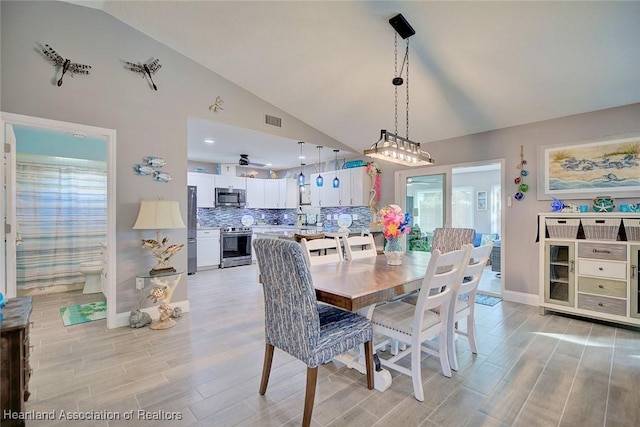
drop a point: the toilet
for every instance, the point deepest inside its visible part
(92, 271)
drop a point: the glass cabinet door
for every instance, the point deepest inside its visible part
(634, 309)
(559, 273)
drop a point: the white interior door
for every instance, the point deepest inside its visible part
(7, 207)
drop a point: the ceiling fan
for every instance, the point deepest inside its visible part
(244, 161)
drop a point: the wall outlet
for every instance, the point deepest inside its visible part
(355, 217)
(286, 216)
(139, 283)
(262, 216)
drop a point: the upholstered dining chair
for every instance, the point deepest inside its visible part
(357, 247)
(322, 251)
(451, 238)
(416, 325)
(295, 322)
(461, 309)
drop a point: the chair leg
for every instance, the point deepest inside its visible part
(416, 371)
(368, 355)
(310, 395)
(471, 334)
(443, 352)
(266, 367)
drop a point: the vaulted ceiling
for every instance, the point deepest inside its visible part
(474, 66)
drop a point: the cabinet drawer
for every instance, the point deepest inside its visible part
(614, 288)
(603, 304)
(605, 269)
(609, 251)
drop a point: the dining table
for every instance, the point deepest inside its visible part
(359, 285)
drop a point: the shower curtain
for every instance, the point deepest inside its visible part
(61, 208)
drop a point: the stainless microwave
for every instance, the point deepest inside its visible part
(231, 197)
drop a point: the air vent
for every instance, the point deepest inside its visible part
(273, 120)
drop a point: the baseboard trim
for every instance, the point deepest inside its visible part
(520, 297)
(122, 319)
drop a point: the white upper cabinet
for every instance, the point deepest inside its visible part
(205, 184)
(280, 193)
(353, 190)
(228, 181)
(255, 193)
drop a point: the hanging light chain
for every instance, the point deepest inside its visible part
(407, 88)
(395, 74)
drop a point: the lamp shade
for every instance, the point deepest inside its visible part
(158, 215)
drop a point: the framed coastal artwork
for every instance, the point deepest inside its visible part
(587, 170)
(481, 200)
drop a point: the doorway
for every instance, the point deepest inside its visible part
(465, 195)
(49, 160)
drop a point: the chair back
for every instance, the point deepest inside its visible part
(451, 239)
(473, 271)
(441, 281)
(328, 250)
(357, 247)
(291, 314)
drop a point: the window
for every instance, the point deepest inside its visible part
(462, 203)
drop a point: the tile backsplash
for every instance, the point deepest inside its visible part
(231, 217)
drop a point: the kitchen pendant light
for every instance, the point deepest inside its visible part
(319, 178)
(336, 180)
(301, 176)
(391, 147)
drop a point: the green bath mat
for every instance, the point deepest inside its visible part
(483, 299)
(83, 313)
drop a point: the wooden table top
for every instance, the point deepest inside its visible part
(353, 285)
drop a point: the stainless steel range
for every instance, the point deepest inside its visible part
(235, 246)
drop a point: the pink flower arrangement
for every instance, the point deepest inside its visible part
(393, 221)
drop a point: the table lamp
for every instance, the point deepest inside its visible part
(160, 215)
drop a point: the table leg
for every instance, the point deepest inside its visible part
(381, 377)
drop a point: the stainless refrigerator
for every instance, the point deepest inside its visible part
(192, 229)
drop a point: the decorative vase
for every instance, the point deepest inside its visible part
(603, 204)
(393, 251)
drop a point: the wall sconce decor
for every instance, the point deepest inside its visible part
(66, 64)
(146, 69)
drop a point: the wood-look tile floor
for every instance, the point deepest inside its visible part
(531, 370)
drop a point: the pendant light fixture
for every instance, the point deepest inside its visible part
(336, 180)
(301, 176)
(392, 147)
(319, 178)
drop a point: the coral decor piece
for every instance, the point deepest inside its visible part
(374, 172)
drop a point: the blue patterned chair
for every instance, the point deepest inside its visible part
(296, 323)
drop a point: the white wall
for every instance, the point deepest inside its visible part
(147, 122)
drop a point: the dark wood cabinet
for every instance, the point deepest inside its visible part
(14, 354)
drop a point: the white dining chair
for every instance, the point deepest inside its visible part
(357, 247)
(322, 251)
(460, 308)
(416, 325)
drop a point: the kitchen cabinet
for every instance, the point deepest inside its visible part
(280, 193)
(208, 249)
(229, 181)
(205, 184)
(589, 265)
(255, 193)
(353, 190)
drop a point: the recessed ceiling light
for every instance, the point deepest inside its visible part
(268, 164)
(209, 141)
(301, 157)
